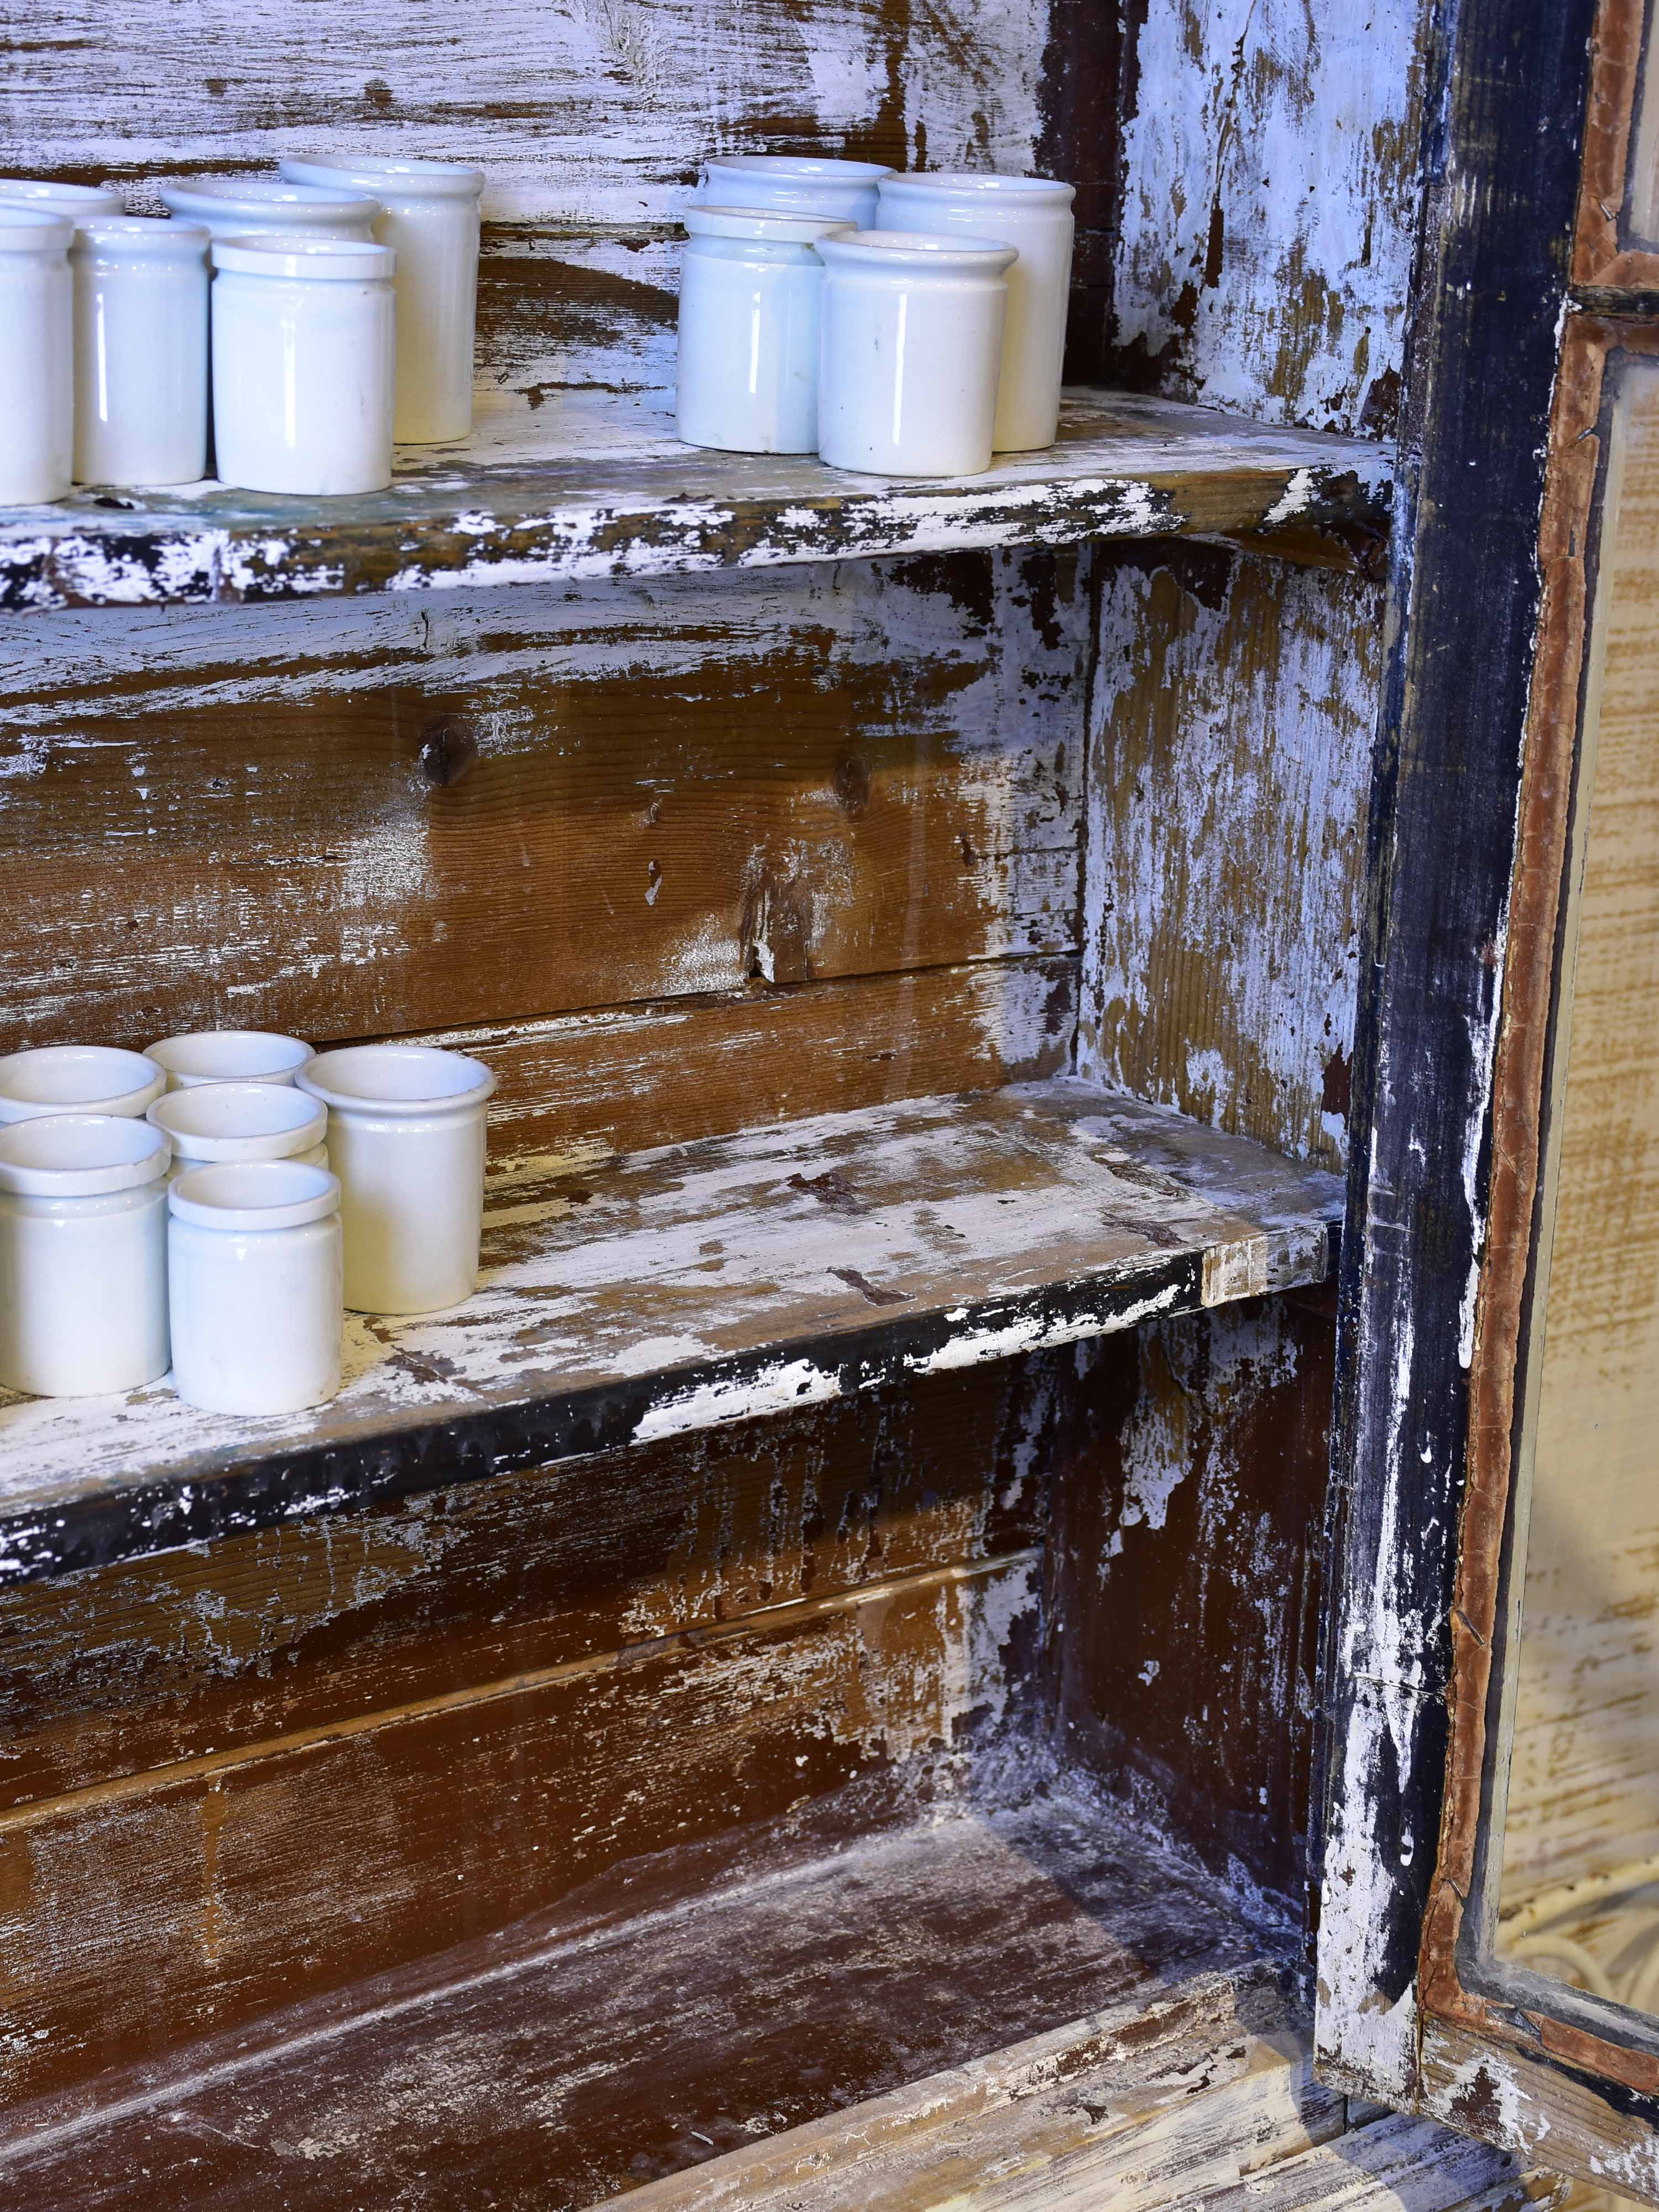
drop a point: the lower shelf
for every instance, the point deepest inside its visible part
(678, 1290)
(805, 2024)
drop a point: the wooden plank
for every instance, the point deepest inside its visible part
(1580, 2124)
(592, 484)
(1395, 2165)
(356, 819)
(1190, 1483)
(215, 1647)
(142, 1913)
(1230, 755)
(694, 2003)
(678, 1291)
(1268, 190)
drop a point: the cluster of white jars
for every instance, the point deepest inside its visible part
(308, 320)
(902, 325)
(218, 1202)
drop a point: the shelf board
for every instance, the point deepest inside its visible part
(679, 1290)
(594, 485)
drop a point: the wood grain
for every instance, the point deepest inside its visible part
(1230, 762)
(340, 821)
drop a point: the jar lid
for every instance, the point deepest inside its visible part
(78, 200)
(228, 1056)
(810, 168)
(368, 172)
(240, 1120)
(398, 1078)
(154, 236)
(980, 183)
(919, 250)
(771, 226)
(301, 253)
(33, 230)
(76, 1078)
(79, 1155)
(254, 1194)
(221, 200)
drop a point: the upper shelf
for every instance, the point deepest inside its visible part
(678, 1290)
(591, 484)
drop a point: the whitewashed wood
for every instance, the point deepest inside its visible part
(593, 483)
(1270, 204)
(765, 1246)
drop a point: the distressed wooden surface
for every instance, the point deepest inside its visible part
(1267, 188)
(1538, 2111)
(591, 484)
(1188, 1489)
(674, 1291)
(684, 2007)
(345, 819)
(1616, 246)
(1583, 1796)
(214, 1648)
(1230, 761)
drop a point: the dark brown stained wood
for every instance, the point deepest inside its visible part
(1230, 761)
(346, 819)
(1183, 1617)
(687, 2006)
(1267, 186)
(673, 1291)
(161, 1660)
(139, 1914)
(622, 1079)
(591, 484)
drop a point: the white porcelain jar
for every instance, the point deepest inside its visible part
(215, 1122)
(749, 285)
(795, 183)
(77, 201)
(302, 364)
(37, 357)
(406, 1137)
(141, 350)
(429, 216)
(1033, 214)
(83, 1292)
(228, 1056)
(253, 1287)
(912, 343)
(77, 1078)
(238, 207)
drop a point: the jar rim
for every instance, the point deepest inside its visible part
(221, 1120)
(202, 1056)
(807, 167)
(989, 184)
(222, 193)
(398, 1079)
(440, 180)
(149, 234)
(919, 250)
(80, 1155)
(769, 225)
(302, 254)
(244, 1194)
(33, 230)
(76, 1078)
(54, 198)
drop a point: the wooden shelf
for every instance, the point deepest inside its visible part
(679, 1290)
(591, 484)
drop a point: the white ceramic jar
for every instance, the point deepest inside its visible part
(238, 207)
(37, 357)
(429, 216)
(141, 350)
(303, 337)
(77, 201)
(795, 183)
(253, 1287)
(750, 284)
(213, 1123)
(912, 343)
(77, 1078)
(228, 1056)
(84, 1294)
(406, 1137)
(1033, 214)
